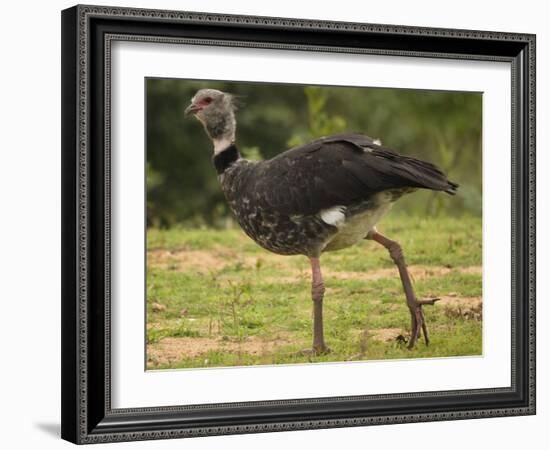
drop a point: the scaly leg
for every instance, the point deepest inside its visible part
(418, 321)
(317, 293)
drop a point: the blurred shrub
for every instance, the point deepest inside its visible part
(182, 188)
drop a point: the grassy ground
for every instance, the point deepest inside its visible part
(214, 298)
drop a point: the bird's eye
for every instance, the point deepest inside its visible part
(208, 100)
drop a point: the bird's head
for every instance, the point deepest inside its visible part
(209, 102)
(216, 111)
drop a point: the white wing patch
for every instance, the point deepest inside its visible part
(375, 143)
(335, 216)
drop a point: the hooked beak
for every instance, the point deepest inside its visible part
(192, 109)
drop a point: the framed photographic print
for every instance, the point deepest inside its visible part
(281, 224)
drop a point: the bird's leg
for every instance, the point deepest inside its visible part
(418, 322)
(317, 293)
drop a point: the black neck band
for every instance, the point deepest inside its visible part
(225, 158)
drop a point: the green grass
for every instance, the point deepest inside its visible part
(228, 302)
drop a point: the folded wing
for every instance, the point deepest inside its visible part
(339, 170)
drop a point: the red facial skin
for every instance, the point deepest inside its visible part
(198, 106)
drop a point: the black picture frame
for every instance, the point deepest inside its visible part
(87, 415)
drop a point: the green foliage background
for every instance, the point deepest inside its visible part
(182, 188)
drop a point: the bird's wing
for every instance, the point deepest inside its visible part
(339, 170)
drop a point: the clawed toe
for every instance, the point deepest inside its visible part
(401, 339)
(428, 301)
(419, 322)
(314, 351)
(325, 350)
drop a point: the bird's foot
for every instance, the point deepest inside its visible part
(419, 321)
(315, 351)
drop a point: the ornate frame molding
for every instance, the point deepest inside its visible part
(83, 421)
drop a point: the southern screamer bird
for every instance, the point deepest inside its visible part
(323, 196)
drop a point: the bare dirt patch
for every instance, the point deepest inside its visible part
(467, 307)
(416, 272)
(386, 334)
(206, 260)
(172, 349)
(183, 259)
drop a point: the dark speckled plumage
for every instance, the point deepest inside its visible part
(323, 196)
(278, 202)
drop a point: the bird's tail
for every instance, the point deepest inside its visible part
(453, 188)
(429, 176)
(421, 174)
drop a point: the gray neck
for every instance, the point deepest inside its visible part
(221, 127)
